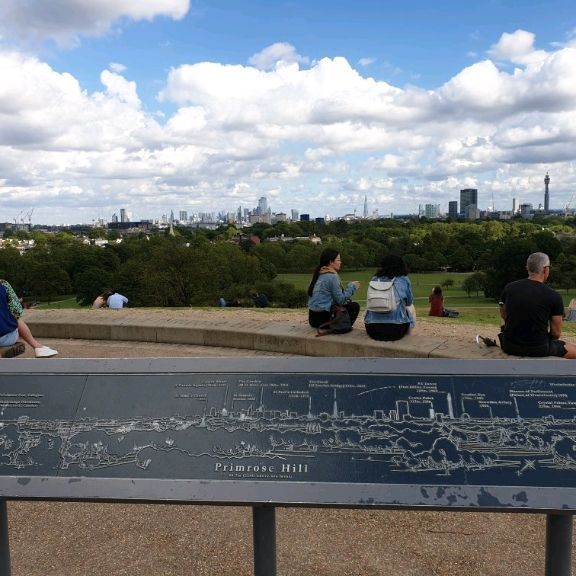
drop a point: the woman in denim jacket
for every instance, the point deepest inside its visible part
(393, 325)
(326, 290)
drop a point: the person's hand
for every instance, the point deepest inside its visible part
(357, 284)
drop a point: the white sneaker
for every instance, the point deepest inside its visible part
(45, 352)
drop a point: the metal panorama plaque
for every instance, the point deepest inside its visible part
(397, 437)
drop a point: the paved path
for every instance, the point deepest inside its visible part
(77, 539)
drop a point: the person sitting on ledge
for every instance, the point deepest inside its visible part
(394, 325)
(532, 314)
(326, 290)
(12, 327)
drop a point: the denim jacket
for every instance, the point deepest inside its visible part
(403, 289)
(327, 291)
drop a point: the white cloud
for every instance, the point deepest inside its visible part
(118, 86)
(65, 21)
(276, 54)
(366, 61)
(518, 48)
(117, 67)
(310, 134)
(514, 46)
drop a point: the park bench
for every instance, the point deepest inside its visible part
(459, 435)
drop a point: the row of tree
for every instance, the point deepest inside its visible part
(196, 268)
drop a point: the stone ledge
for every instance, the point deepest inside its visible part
(177, 327)
(12, 351)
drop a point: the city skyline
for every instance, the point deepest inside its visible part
(467, 207)
(197, 106)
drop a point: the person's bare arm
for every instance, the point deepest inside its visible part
(502, 310)
(556, 327)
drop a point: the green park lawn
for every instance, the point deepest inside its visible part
(474, 309)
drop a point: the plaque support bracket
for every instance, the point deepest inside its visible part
(559, 544)
(4, 540)
(264, 533)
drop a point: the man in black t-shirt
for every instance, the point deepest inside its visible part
(532, 314)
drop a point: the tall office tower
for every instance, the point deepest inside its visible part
(114, 217)
(546, 194)
(514, 205)
(431, 210)
(365, 207)
(453, 209)
(183, 216)
(295, 215)
(468, 197)
(239, 214)
(263, 205)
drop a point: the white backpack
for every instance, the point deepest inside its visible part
(381, 297)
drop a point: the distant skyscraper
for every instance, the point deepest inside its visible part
(183, 216)
(468, 197)
(365, 207)
(546, 193)
(453, 209)
(514, 205)
(263, 205)
(295, 215)
(431, 210)
(123, 215)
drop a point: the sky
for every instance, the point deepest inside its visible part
(206, 105)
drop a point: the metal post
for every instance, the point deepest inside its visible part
(4, 541)
(558, 545)
(264, 531)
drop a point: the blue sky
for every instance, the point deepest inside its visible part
(204, 106)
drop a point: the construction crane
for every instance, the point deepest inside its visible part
(567, 207)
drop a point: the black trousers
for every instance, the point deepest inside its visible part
(387, 332)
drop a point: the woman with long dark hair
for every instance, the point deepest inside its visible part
(326, 289)
(436, 300)
(397, 323)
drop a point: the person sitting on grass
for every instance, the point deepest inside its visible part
(116, 300)
(12, 327)
(101, 301)
(436, 300)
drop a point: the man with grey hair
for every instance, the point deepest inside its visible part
(532, 314)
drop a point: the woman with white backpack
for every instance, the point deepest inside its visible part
(390, 313)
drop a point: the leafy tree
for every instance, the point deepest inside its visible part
(476, 282)
(46, 281)
(90, 283)
(448, 283)
(508, 264)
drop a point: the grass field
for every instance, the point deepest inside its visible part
(475, 309)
